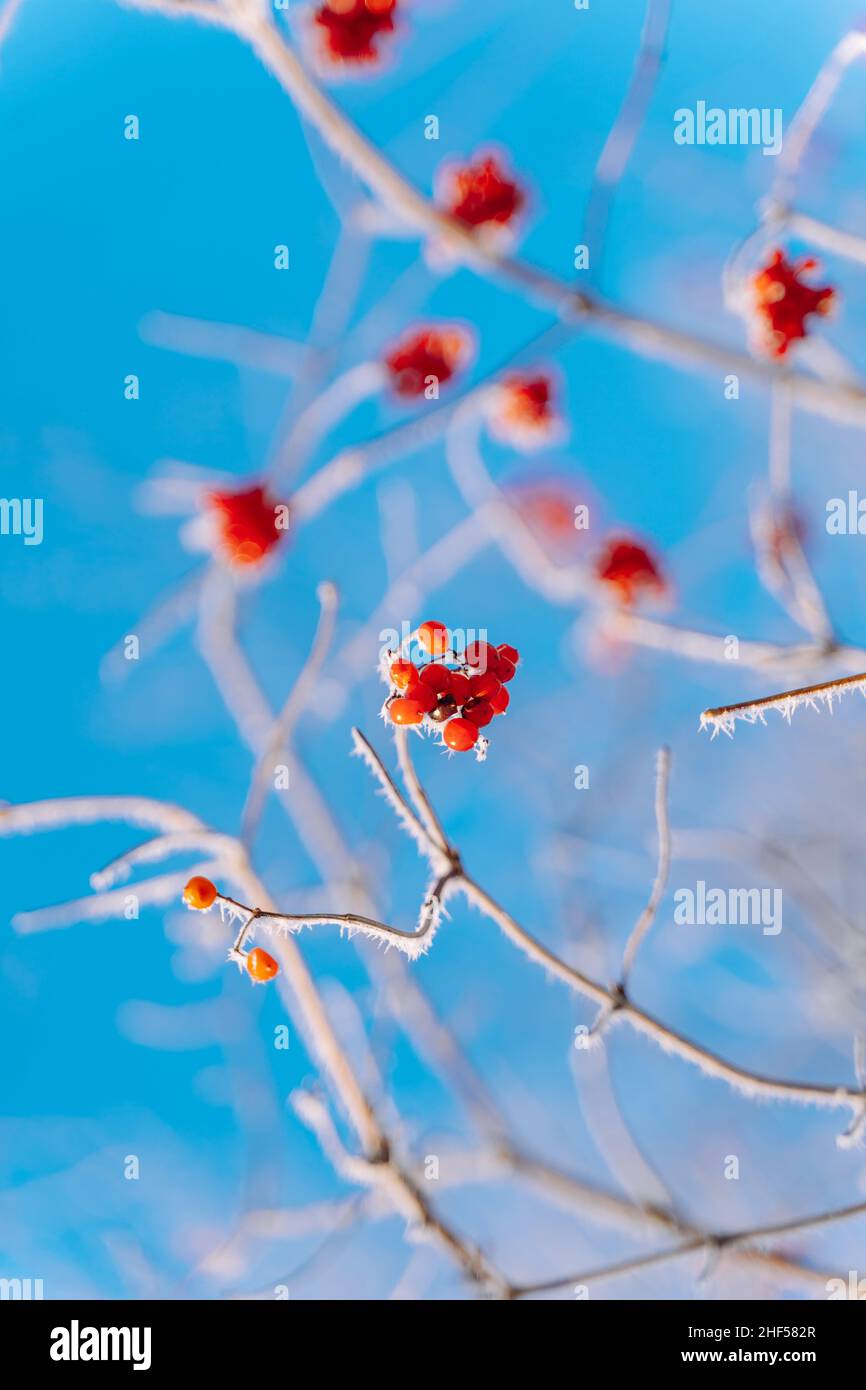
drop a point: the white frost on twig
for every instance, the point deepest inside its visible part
(723, 719)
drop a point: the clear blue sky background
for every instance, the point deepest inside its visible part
(95, 233)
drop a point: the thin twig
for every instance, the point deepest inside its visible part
(734, 1239)
(623, 134)
(284, 724)
(647, 917)
(723, 718)
(412, 943)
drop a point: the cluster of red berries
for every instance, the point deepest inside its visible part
(629, 571)
(523, 411)
(350, 30)
(458, 694)
(247, 524)
(200, 895)
(425, 355)
(481, 193)
(781, 302)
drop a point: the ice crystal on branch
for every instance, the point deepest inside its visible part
(723, 719)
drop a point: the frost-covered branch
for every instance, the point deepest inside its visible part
(723, 718)
(284, 724)
(623, 1010)
(647, 917)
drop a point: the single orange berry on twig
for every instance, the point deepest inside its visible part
(200, 893)
(261, 966)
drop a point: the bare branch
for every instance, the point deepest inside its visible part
(647, 917)
(284, 724)
(723, 718)
(620, 1009)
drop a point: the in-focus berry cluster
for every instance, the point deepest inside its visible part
(455, 694)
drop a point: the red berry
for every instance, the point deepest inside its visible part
(782, 301)
(424, 357)
(483, 655)
(460, 735)
(248, 523)
(480, 193)
(506, 669)
(199, 893)
(460, 687)
(433, 637)
(438, 678)
(479, 711)
(629, 569)
(351, 28)
(523, 412)
(261, 966)
(423, 695)
(405, 710)
(500, 701)
(485, 685)
(509, 653)
(403, 673)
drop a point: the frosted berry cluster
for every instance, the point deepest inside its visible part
(456, 695)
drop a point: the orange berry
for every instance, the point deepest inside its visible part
(405, 710)
(199, 893)
(261, 966)
(403, 673)
(433, 637)
(460, 735)
(500, 701)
